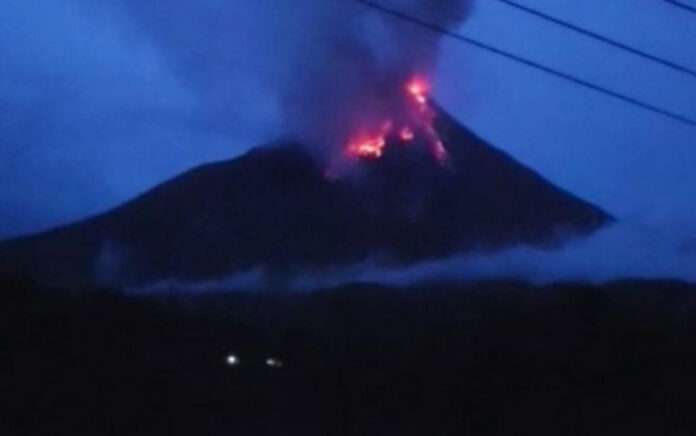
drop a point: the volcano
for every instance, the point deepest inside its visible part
(278, 208)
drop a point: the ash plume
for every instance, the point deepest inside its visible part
(355, 72)
(326, 67)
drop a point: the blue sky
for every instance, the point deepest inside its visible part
(636, 164)
(102, 100)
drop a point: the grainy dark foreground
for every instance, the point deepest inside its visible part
(487, 359)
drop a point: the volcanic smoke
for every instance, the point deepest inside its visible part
(366, 85)
(370, 145)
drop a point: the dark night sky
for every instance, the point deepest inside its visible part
(102, 100)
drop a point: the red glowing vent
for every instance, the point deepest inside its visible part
(369, 143)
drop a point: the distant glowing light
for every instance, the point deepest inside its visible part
(232, 360)
(274, 363)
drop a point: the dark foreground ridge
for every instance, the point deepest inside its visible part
(488, 359)
(275, 207)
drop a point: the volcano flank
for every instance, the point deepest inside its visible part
(278, 208)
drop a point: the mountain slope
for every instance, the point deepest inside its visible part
(275, 207)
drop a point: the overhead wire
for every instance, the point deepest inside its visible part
(599, 37)
(527, 62)
(682, 5)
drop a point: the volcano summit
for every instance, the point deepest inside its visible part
(280, 209)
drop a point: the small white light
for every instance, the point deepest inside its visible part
(232, 360)
(274, 363)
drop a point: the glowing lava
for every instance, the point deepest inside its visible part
(370, 143)
(406, 134)
(418, 89)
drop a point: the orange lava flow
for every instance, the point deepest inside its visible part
(418, 89)
(370, 143)
(406, 134)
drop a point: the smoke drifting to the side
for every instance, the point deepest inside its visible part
(353, 75)
(328, 67)
(620, 252)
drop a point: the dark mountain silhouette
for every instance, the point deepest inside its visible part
(275, 207)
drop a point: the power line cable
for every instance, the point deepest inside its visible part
(682, 5)
(511, 56)
(620, 45)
